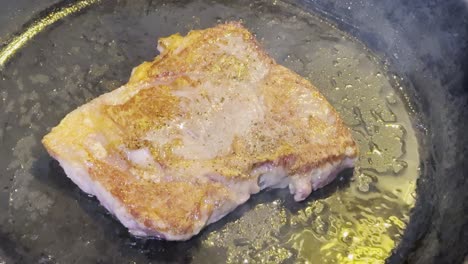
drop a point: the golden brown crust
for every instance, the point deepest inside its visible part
(93, 136)
(154, 204)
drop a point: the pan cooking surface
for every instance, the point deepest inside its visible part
(47, 218)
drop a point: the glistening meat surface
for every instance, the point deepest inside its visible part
(209, 122)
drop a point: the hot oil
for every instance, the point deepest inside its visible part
(363, 219)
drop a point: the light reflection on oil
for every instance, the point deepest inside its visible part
(358, 223)
(19, 41)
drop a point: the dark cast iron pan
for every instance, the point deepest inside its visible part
(45, 218)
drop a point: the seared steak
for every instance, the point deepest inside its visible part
(210, 121)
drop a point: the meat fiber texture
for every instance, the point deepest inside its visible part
(198, 130)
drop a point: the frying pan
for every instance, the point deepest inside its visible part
(56, 56)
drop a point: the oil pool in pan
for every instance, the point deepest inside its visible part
(358, 218)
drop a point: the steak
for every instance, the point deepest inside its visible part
(198, 130)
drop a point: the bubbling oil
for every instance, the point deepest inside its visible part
(364, 220)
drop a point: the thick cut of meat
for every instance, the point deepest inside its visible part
(210, 121)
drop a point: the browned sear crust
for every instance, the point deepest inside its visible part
(171, 151)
